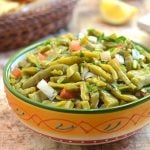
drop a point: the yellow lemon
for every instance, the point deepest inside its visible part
(116, 12)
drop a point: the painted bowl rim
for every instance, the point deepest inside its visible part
(38, 104)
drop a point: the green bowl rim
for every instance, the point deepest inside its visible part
(75, 111)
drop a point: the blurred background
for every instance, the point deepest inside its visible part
(24, 22)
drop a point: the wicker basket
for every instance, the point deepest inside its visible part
(33, 22)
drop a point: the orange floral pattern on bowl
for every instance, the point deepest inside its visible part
(100, 127)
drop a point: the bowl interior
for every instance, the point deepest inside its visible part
(13, 61)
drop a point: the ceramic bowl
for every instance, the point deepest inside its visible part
(82, 127)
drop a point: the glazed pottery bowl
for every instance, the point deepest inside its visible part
(84, 127)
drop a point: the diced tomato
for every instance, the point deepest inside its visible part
(74, 46)
(66, 94)
(120, 45)
(41, 56)
(47, 53)
(16, 72)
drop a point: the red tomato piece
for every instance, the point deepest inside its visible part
(120, 45)
(16, 72)
(41, 56)
(74, 46)
(66, 94)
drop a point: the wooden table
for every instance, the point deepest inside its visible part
(15, 136)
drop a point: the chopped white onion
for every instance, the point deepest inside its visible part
(142, 57)
(105, 56)
(84, 72)
(136, 54)
(92, 39)
(47, 89)
(120, 58)
(99, 46)
(88, 75)
(82, 34)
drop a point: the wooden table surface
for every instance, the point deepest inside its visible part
(15, 136)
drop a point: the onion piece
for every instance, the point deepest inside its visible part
(82, 34)
(99, 46)
(47, 89)
(136, 54)
(84, 71)
(92, 39)
(86, 74)
(120, 58)
(105, 56)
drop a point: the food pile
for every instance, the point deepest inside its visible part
(87, 71)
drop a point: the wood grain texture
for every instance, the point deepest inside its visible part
(15, 136)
